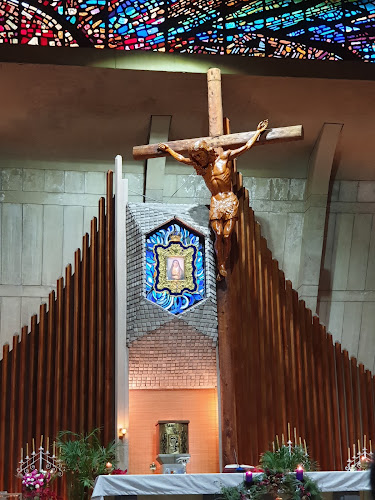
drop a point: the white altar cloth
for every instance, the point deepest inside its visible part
(209, 484)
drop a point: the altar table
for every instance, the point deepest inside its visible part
(211, 484)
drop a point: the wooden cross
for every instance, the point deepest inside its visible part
(216, 139)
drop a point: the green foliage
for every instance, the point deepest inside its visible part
(85, 458)
(272, 485)
(282, 460)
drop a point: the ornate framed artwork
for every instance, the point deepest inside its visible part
(175, 277)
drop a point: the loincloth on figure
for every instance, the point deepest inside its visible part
(224, 206)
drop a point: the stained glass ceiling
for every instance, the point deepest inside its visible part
(301, 29)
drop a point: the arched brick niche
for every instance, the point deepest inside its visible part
(174, 356)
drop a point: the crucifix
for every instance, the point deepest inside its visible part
(212, 159)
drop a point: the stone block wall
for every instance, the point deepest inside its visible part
(44, 212)
(174, 356)
(346, 302)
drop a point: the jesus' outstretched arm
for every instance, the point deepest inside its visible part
(176, 156)
(237, 152)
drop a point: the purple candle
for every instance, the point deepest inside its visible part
(299, 473)
(249, 477)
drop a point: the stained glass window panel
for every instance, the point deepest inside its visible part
(174, 270)
(244, 26)
(136, 25)
(9, 14)
(360, 28)
(195, 26)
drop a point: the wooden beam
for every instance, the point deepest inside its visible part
(281, 134)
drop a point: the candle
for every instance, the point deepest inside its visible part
(288, 431)
(282, 439)
(299, 473)
(48, 444)
(370, 445)
(295, 437)
(249, 477)
(277, 441)
(364, 441)
(27, 450)
(41, 440)
(349, 455)
(353, 450)
(33, 445)
(273, 446)
(304, 442)
(359, 447)
(300, 441)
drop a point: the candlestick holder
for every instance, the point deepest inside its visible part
(42, 461)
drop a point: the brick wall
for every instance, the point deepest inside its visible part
(173, 356)
(199, 406)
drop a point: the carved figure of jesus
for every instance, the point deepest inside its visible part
(216, 170)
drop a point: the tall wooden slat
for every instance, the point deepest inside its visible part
(253, 327)
(92, 325)
(58, 356)
(31, 379)
(371, 405)
(348, 398)
(314, 358)
(40, 377)
(23, 413)
(12, 437)
(50, 350)
(327, 412)
(101, 305)
(308, 431)
(341, 403)
(262, 404)
(240, 340)
(76, 339)
(279, 352)
(363, 402)
(4, 414)
(299, 421)
(84, 333)
(355, 390)
(67, 350)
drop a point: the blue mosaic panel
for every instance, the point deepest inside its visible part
(195, 27)
(360, 28)
(171, 302)
(244, 26)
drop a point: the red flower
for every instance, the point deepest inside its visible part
(118, 472)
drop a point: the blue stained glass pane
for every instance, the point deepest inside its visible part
(179, 302)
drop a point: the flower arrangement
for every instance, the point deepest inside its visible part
(119, 472)
(282, 477)
(35, 485)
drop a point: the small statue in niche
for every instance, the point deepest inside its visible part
(216, 170)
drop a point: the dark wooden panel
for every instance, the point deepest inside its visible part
(348, 398)
(91, 407)
(4, 415)
(67, 351)
(83, 382)
(356, 405)
(109, 325)
(344, 442)
(50, 364)
(76, 344)
(101, 311)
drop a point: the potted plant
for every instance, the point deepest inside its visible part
(84, 458)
